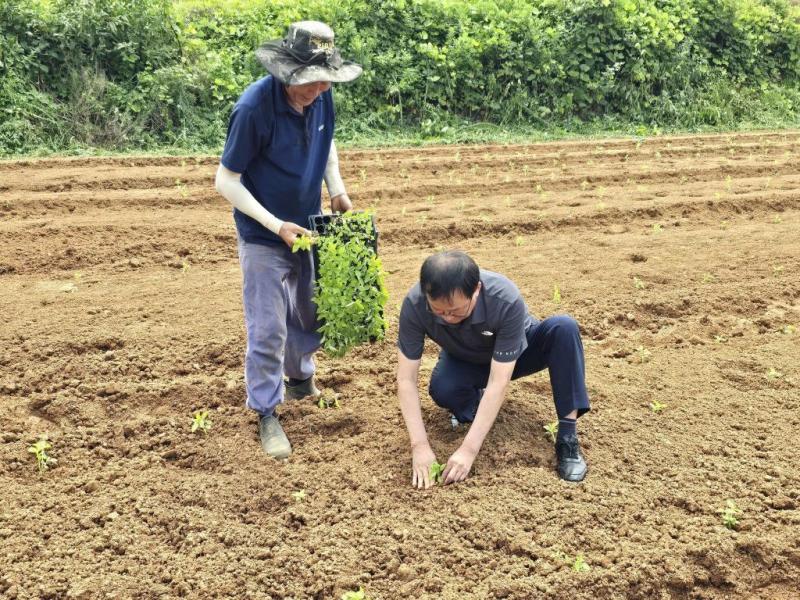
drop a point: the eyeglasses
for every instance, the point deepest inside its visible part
(458, 313)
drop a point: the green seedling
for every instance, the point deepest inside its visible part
(299, 496)
(519, 240)
(644, 354)
(724, 224)
(730, 515)
(200, 421)
(302, 242)
(551, 429)
(638, 283)
(556, 294)
(657, 406)
(720, 339)
(328, 400)
(185, 266)
(580, 565)
(357, 595)
(708, 278)
(436, 472)
(584, 185)
(43, 460)
(773, 374)
(182, 188)
(777, 269)
(790, 330)
(777, 220)
(657, 227)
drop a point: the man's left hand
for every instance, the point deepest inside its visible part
(341, 203)
(458, 465)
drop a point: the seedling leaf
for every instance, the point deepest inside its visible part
(436, 471)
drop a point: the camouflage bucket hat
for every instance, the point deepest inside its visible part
(305, 55)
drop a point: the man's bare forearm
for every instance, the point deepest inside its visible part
(412, 413)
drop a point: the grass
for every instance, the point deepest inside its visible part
(399, 137)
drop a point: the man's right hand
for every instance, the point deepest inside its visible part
(289, 232)
(421, 460)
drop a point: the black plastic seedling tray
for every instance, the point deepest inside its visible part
(320, 224)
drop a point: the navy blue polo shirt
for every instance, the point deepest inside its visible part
(496, 329)
(280, 153)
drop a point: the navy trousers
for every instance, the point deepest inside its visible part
(554, 344)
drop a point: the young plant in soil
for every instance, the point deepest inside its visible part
(552, 429)
(730, 515)
(657, 406)
(201, 421)
(357, 595)
(43, 460)
(299, 496)
(436, 472)
(580, 565)
(556, 294)
(328, 400)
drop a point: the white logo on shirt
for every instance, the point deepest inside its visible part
(486, 333)
(321, 127)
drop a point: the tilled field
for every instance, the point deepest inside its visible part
(121, 316)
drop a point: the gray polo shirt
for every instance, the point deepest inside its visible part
(495, 330)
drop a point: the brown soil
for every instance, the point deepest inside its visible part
(120, 301)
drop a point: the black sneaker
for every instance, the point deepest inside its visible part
(571, 465)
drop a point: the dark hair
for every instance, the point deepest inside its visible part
(444, 273)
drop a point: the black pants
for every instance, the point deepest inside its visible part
(554, 343)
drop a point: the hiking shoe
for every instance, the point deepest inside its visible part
(300, 389)
(273, 439)
(571, 465)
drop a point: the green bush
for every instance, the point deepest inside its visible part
(149, 73)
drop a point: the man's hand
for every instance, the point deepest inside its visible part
(341, 203)
(290, 231)
(421, 461)
(459, 465)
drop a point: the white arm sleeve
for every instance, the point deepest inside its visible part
(229, 184)
(333, 179)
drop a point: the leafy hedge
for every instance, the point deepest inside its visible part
(153, 73)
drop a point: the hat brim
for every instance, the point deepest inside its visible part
(281, 65)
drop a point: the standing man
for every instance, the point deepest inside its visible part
(481, 322)
(278, 151)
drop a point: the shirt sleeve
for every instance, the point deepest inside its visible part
(411, 337)
(510, 340)
(244, 140)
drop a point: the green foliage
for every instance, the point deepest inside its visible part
(730, 515)
(200, 421)
(551, 429)
(350, 292)
(436, 472)
(357, 595)
(302, 242)
(328, 400)
(133, 74)
(43, 460)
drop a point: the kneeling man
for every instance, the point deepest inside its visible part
(487, 338)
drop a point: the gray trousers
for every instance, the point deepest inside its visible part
(281, 321)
